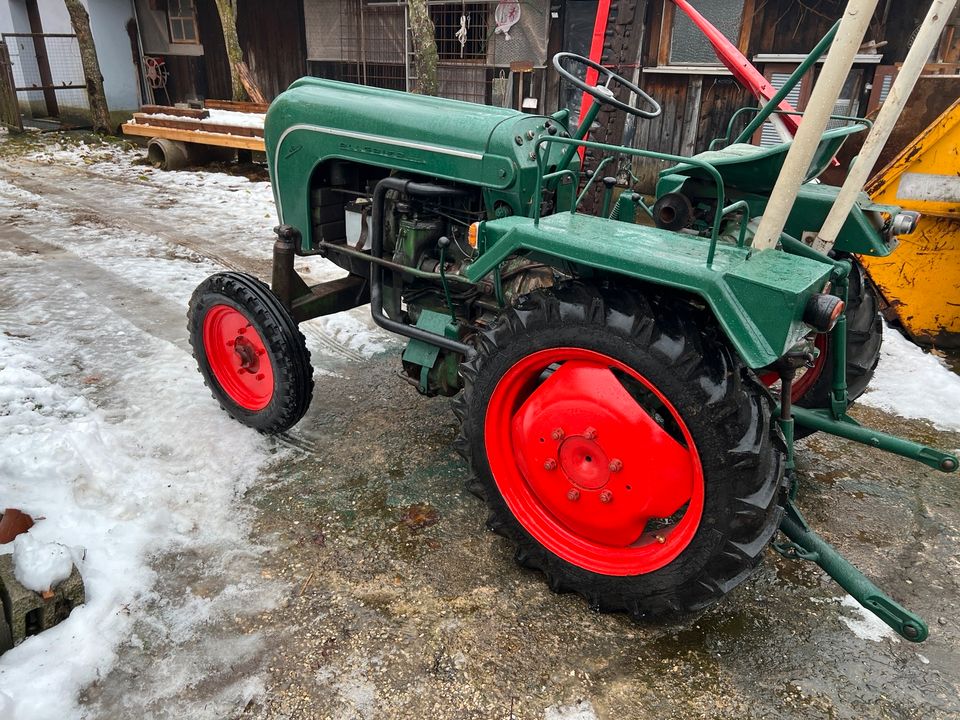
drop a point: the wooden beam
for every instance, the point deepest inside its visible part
(195, 136)
(194, 113)
(691, 116)
(190, 124)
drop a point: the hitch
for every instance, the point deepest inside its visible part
(805, 544)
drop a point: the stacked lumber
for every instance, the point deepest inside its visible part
(222, 123)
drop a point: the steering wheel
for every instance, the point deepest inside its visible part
(603, 93)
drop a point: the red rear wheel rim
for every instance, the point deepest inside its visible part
(237, 357)
(594, 461)
(809, 377)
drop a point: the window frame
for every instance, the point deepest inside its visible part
(665, 37)
(192, 18)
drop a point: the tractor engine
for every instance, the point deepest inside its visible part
(430, 237)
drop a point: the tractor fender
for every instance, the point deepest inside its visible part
(758, 298)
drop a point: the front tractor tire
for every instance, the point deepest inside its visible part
(250, 352)
(623, 448)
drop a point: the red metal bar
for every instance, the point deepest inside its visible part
(596, 54)
(735, 61)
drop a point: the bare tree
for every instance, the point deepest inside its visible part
(426, 58)
(242, 84)
(99, 112)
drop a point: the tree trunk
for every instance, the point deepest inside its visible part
(423, 35)
(244, 87)
(99, 112)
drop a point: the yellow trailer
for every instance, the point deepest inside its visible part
(921, 281)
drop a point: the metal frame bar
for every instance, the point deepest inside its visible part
(719, 214)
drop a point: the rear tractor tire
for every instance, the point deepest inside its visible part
(250, 352)
(623, 448)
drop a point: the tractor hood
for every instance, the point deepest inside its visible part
(389, 117)
(317, 120)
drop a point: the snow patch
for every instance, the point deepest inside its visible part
(230, 118)
(151, 473)
(867, 626)
(38, 565)
(580, 710)
(914, 384)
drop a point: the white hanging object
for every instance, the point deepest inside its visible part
(461, 34)
(506, 16)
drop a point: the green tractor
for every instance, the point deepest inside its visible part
(612, 378)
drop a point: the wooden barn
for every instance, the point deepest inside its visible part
(676, 65)
(184, 56)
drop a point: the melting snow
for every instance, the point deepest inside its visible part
(38, 565)
(580, 710)
(914, 384)
(866, 625)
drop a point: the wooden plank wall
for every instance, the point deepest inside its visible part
(274, 42)
(216, 68)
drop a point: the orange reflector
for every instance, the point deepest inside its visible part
(835, 315)
(472, 236)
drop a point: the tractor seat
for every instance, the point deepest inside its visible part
(754, 168)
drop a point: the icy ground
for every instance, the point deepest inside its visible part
(106, 430)
(108, 435)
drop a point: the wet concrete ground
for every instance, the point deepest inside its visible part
(398, 603)
(402, 605)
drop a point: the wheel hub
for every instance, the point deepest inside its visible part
(237, 357)
(246, 354)
(584, 462)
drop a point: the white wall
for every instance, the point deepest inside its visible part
(108, 21)
(13, 19)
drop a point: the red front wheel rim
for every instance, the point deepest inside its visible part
(594, 461)
(237, 357)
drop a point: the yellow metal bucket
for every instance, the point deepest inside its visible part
(921, 279)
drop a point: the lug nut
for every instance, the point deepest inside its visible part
(550, 464)
(606, 496)
(242, 330)
(590, 433)
(260, 376)
(230, 343)
(615, 465)
(573, 494)
(557, 434)
(660, 539)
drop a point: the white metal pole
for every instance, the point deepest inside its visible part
(923, 44)
(853, 26)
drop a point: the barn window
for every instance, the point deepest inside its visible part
(683, 43)
(182, 16)
(461, 30)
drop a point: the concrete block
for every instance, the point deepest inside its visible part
(26, 612)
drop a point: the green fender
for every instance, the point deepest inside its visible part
(757, 297)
